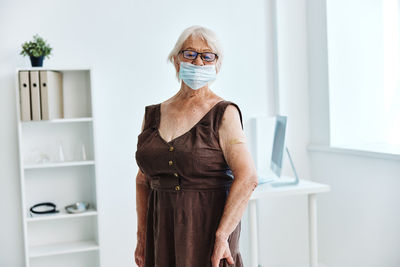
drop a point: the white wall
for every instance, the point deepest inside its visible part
(126, 43)
(283, 242)
(359, 225)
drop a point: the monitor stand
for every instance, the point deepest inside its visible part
(286, 183)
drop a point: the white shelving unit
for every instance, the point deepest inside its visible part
(60, 239)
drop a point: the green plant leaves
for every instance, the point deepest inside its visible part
(38, 47)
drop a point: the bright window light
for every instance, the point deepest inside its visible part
(364, 74)
(391, 71)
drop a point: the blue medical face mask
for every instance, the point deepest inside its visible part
(196, 76)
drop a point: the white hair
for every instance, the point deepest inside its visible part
(205, 34)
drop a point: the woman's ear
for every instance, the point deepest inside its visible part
(176, 63)
(177, 66)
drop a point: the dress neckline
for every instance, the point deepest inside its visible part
(158, 122)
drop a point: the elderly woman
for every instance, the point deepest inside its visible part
(195, 174)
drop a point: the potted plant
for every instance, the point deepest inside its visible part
(36, 50)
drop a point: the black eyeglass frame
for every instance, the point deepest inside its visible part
(201, 55)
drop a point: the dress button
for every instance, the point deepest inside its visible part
(170, 162)
(171, 148)
(177, 187)
(176, 174)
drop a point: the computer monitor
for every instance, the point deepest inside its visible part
(278, 147)
(278, 150)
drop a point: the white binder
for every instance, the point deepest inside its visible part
(24, 96)
(35, 95)
(51, 92)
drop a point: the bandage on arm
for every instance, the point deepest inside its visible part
(238, 140)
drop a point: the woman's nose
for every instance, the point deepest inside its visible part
(198, 61)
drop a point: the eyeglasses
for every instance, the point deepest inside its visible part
(205, 56)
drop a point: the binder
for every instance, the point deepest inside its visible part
(35, 95)
(51, 94)
(24, 96)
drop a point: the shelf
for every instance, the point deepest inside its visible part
(59, 164)
(63, 120)
(66, 69)
(61, 215)
(67, 172)
(62, 248)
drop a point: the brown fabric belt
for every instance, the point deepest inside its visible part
(190, 188)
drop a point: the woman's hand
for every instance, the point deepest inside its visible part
(221, 251)
(139, 254)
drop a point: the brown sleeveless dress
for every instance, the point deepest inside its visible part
(190, 181)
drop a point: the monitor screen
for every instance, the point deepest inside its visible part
(278, 146)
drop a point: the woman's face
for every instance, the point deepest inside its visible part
(195, 44)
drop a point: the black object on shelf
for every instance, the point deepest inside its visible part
(40, 208)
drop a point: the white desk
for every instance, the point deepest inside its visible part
(304, 187)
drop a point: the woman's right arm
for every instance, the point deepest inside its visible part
(142, 193)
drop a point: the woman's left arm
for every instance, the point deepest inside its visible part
(233, 144)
